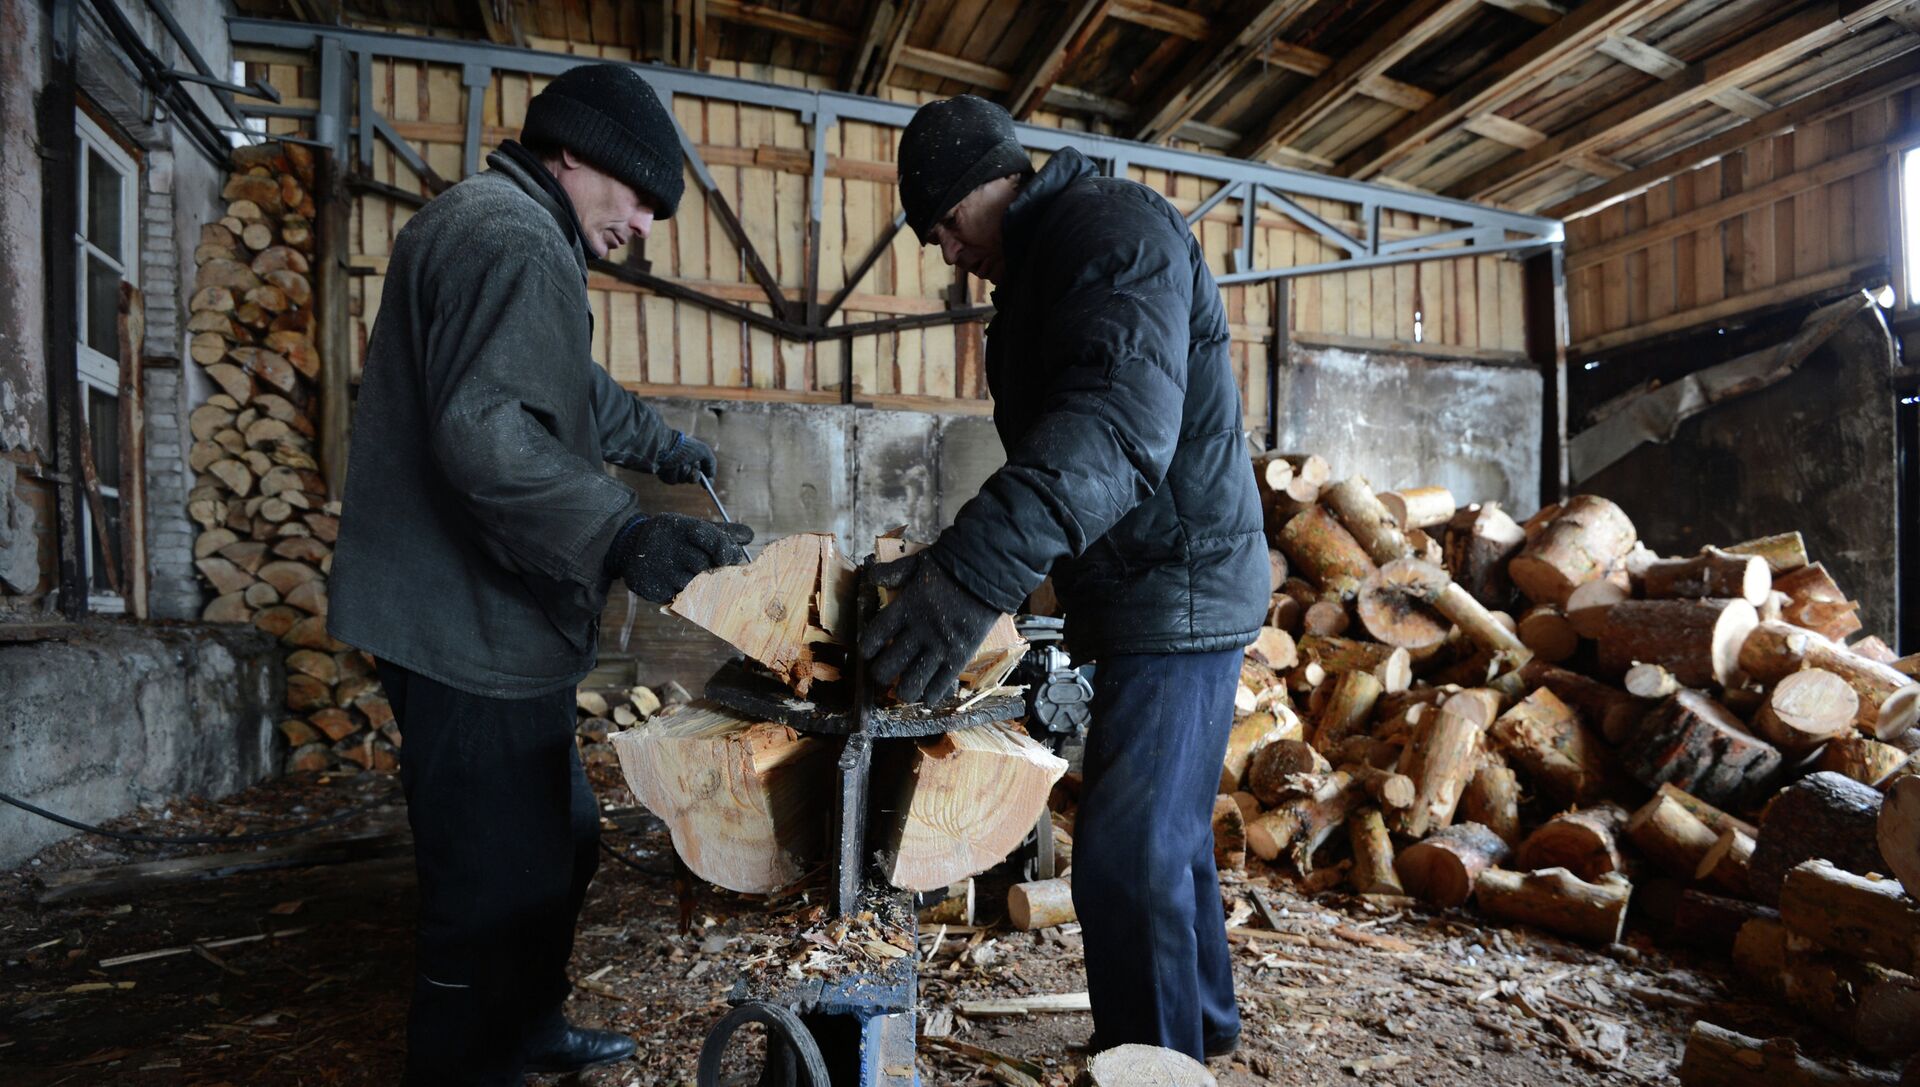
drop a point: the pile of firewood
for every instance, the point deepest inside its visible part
(267, 524)
(1547, 719)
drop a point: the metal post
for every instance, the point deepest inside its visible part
(476, 78)
(59, 219)
(1546, 316)
(1277, 357)
(823, 122)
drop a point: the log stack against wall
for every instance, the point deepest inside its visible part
(267, 520)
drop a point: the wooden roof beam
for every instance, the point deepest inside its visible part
(769, 18)
(1412, 26)
(1165, 18)
(987, 77)
(1753, 56)
(884, 35)
(1214, 66)
(1063, 41)
(1886, 78)
(1544, 12)
(1493, 85)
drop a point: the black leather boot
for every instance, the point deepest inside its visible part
(571, 1049)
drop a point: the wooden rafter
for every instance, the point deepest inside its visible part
(1744, 60)
(1544, 12)
(1494, 84)
(1658, 63)
(880, 72)
(1054, 50)
(874, 31)
(1214, 66)
(988, 78)
(1165, 18)
(501, 19)
(771, 18)
(1412, 26)
(1886, 78)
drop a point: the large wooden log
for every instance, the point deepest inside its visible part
(1699, 641)
(771, 608)
(1352, 500)
(1615, 712)
(1695, 744)
(1560, 755)
(1670, 836)
(1897, 832)
(1718, 1057)
(1583, 841)
(1480, 542)
(1868, 1005)
(1874, 682)
(1318, 546)
(1395, 605)
(1137, 1065)
(1556, 900)
(1441, 759)
(1822, 815)
(1863, 759)
(1373, 871)
(965, 800)
(1581, 544)
(1712, 573)
(1443, 868)
(740, 798)
(1864, 918)
(1805, 710)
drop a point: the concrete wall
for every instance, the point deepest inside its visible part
(1815, 453)
(787, 468)
(1405, 421)
(120, 715)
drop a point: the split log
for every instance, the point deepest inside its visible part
(1774, 650)
(966, 799)
(1712, 573)
(1492, 799)
(1822, 815)
(1274, 770)
(1805, 710)
(1561, 756)
(224, 576)
(1898, 833)
(1862, 758)
(1348, 711)
(1419, 507)
(1616, 712)
(1670, 836)
(1480, 542)
(1699, 641)
(1582, 542)
(770, 609)
(1712, 922)
(1869, 1005)
(1581, 841)
(1352, 500)
(1693, 743)
(1274, 648)
(1816, 602)
(1323, 551)
(1441, 759)
(1444, 868)
(1556, 900)
(1718, 1057)
(1250, 733)
(1040, 904)
(1728, 865)
(1862, 918)
(1783, 553)
(1137, 1065)
(741, 799)
(1300, 825)
(1229, 834)
(1389, 790)
(1716, 820)
(1373, 871)
(227, 608)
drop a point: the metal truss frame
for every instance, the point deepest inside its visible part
(346, 56)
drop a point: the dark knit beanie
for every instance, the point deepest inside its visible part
(609, 117)
(950, 148)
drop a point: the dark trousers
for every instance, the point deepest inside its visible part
(506, 838)
(1158, 968)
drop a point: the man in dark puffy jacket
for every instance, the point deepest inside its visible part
(1127, 479)
(479, 535)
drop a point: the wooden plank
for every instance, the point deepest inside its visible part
(1403, 283)
(767, 17)
(629, 357)
(1072, 27)
(1426, 349)
(1229, 49)
(1658, 204)
(1809, 206)
(1466, 302)
(1513, 319)
(1486, 278)
(1810, 287)
(1709, 242)
(1613, 272)
(1166, 18)
(694, 324)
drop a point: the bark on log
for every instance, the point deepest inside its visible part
(1670, 836)
(740, 799)
(1874, 682)
(1711, 922)
(1693, 743)
(1614, 711)
(1560, 755)
(1712, 573)
(1558, 901)
(1822, 815)
(1419, 507)
(1250, 733)
(955, 909)
(1816, 602)
(1492, 799)
(1718, 1057)
(1349, 709)
(1805, 710)
(1324, 552)
(1544, 630)
(1299, 825)
(1040, 904)
(1774, 650)
(1716, 820)
(1868, 919)
(1327, 617)
(1897, 832)
(1583, 841)
(1783, 553)
(1581, 543)
(1699, 641)
(1352, 500)
(1862, 758)
(1729, 864)
(1441, 760)
(1373, 871)
(1869, 1005)
(965, 801)
(1443, 868)
(1274, 772)
(1480, 542)
(1229, 834)
(1395, 605)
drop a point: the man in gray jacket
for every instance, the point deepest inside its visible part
(479, 536)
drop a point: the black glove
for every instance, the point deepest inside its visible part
(928, 634)
(657, 555)
(686, 457)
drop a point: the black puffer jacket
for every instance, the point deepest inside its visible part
(1127, 474)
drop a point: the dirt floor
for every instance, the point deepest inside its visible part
(297, 976)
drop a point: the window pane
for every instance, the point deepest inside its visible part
(100, 581)
(103, 428)
(103, 205)
(103, 308)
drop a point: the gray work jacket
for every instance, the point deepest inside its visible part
(478, 511)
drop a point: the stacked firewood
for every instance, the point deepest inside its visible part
(267, 524)
(1541, 717)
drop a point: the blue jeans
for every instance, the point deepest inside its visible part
(1144, 885)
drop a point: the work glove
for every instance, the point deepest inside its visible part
(927, 634)
(658, 554)
(686, 458)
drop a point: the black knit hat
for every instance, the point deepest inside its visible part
(950, 148)
(608, 116)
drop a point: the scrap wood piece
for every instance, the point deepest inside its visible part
(1718, 1057)
(1558, 901)
(779, 608)
(1655, 414)
(1853, 915)
(1025, 1005)
(133, 881)
(200, 947)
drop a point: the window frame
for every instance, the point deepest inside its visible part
(96, 369)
